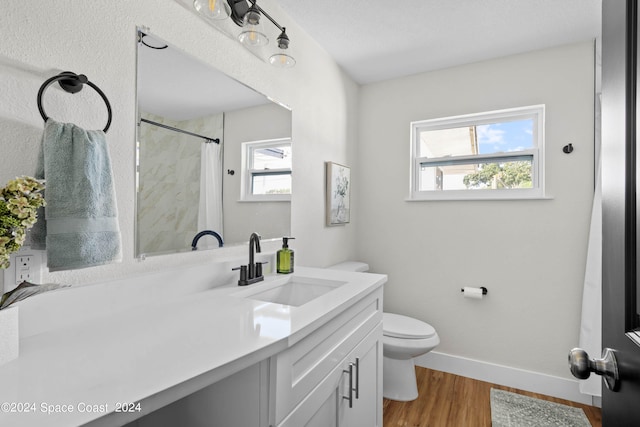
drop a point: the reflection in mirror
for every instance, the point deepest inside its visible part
(193, 174)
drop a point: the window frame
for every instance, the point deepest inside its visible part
(535, 112)
(248, 173)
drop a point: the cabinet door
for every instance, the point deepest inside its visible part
(299, 369)
(366, 410)
(327, 405)
(320, 407)
(326, 416)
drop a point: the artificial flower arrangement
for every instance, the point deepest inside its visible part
(19, 203)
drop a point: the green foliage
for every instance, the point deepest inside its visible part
(19, 202)
(501, 175)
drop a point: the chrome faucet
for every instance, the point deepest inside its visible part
(251, 273)
(194, 243)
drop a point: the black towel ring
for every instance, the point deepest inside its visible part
(72, 83)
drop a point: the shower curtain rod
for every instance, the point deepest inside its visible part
(206, 138)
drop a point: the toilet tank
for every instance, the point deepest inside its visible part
(351, 266)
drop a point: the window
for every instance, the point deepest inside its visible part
(493, 155)
(267, 171)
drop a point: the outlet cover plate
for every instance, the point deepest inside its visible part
(12, 275)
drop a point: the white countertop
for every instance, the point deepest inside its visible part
(157, 353)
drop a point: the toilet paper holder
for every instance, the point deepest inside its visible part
(484, 290)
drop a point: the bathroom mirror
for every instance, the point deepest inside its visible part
(188, 111)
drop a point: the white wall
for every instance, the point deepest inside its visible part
(271, 219)
(530, 254)
(99, 39)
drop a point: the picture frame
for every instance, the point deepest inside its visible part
(338, 194)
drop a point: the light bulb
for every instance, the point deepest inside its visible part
(282, 60)
(253, 38)
(252, 34)
(212, 9)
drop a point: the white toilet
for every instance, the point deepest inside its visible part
(404, 339)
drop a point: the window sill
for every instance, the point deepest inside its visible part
(265, 199)
(462, 195)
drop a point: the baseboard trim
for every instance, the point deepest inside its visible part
(534, 382)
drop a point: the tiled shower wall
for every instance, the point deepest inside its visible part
(169, 181)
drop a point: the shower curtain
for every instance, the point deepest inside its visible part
(210, 209)
(591, 321)
(591, 324)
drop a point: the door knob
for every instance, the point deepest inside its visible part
(581, 366)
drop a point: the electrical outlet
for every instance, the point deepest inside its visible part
(24, 267)
(26, 264)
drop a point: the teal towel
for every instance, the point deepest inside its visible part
(81, 214)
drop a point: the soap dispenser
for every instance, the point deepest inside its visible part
(284, 257)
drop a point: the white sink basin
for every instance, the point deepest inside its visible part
(292, 290)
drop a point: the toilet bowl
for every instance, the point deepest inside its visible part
(404, 338)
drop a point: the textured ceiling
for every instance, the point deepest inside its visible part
(376, 40)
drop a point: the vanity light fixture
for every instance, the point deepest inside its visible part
(281, 59)
(252, 32)
(247, 15)
(213, 9)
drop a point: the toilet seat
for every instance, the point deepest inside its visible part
(398, 326)
(404, 338)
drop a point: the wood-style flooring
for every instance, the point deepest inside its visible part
(447, 400)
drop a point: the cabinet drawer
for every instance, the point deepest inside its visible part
(299, 369)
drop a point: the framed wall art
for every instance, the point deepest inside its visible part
(338, 191)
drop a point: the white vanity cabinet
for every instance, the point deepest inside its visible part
(210, 357)
(307, 384)
(311, 380)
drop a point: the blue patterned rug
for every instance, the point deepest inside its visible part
(515, 410)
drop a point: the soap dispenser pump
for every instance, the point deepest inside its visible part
(285, 257)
